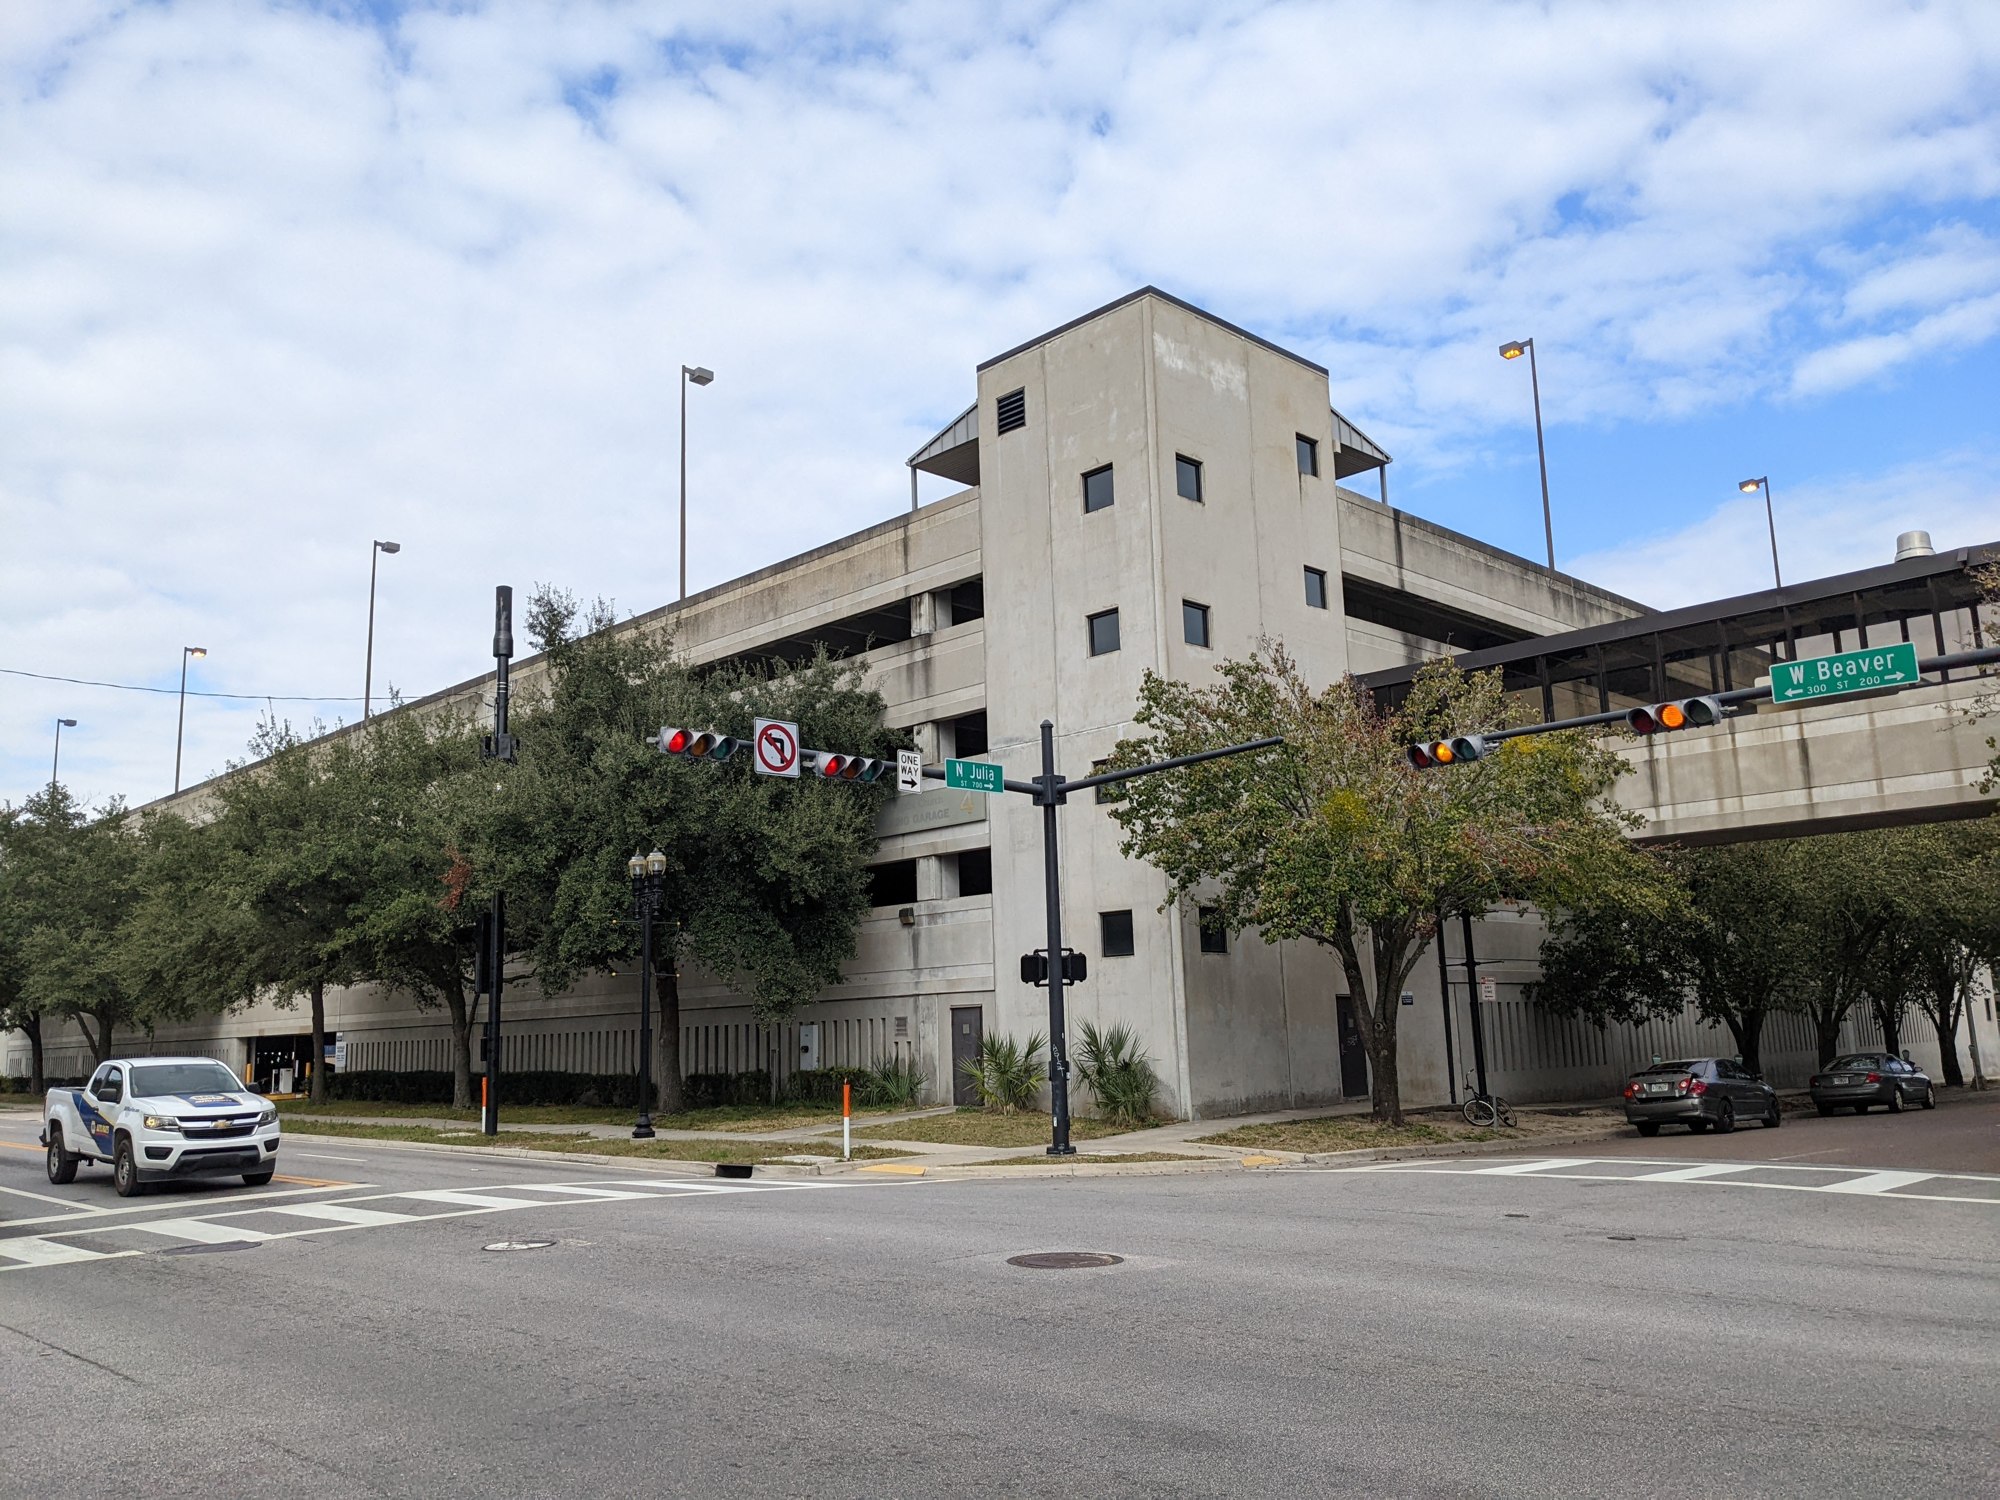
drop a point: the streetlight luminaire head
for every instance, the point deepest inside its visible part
(636, 866)
(1751, 486)
(390, 547)
(656, 863)
(196, 651)
(1515, 349)
(67, 723)
(698, 374)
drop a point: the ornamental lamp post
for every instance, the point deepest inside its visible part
(648, 874)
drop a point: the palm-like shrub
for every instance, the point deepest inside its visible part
(1118, 1072)
(1004, 1075)
(897, 1084)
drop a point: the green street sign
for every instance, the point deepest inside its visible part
(1849, 672)
(973, 776)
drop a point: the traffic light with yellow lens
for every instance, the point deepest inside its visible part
(1681, 713)
(1457, 750)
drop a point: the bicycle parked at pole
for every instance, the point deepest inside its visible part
(1486, 1109)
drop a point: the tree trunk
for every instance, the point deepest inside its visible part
(1826, 1031)
(1890, 1019)
(38, 1076)
(670, 1098)
(319, 1041)
(1747, 1028)
(461, 1043)
(1944, 1016)
(100, 1039)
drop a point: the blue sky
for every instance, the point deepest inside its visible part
(280, 279)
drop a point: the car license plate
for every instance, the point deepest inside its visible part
(1659, 1088)
(1846, 1078)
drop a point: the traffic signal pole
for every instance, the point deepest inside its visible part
(1049, 791)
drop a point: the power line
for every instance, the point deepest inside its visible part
(126, 687)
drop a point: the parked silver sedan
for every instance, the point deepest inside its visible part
(1699, 1092)
(1862, 1080)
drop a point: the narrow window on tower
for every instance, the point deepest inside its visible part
(1115, 933)
(1308, 454)
(1194, 622)
(1187, 477)
(1316, 588)
(1214, 936)
(1097, 490)
(1104, 633)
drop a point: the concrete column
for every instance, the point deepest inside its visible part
(931, 877)
(923, 614)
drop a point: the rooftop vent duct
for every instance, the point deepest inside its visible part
(1914, 544)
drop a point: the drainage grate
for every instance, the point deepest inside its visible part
(1064, 1260)
(519, 1245)
(209, 1249)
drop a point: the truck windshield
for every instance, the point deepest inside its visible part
(183, 1078)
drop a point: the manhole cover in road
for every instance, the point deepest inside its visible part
(1064, 1260)
(519, 1245)
(209, 1249)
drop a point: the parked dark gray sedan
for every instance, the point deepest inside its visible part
(1699, 1092)
(1861, 1080)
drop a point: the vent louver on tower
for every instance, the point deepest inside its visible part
(1012, 410)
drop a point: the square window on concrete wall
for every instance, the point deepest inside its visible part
(1194, 622)
(1187, 477)
(1115, 933)
(1316, 587)
(1097, 490)
(1214, 936)
(1104, 633)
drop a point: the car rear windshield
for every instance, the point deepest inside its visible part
(183, 1078)
(1675, 1067)
(1858, 1060)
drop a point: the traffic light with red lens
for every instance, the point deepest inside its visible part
(695, 744)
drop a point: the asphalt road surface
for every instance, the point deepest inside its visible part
(1586, 1323)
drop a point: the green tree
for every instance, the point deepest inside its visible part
(1728, 945)
(28, 834)
(1337, 839)
(766, 881)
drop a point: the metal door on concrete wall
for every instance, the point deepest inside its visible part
(968, 1028)
(1353, 1056)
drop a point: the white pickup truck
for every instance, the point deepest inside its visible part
(160, 1117)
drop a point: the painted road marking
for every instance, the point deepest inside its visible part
(607, 1194)
(261, 1200)
(1523, 1168)
(462, 1199)
(51, 1198)
(1878, 1182)
(344, 1213)
(200, 1231)
(1946, 1187)
(322, 1156)
(30, 1251)
(1691, 1174)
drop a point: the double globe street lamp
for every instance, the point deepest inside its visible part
(649, 880)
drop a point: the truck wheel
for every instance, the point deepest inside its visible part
(125, 1170)
(258, 1179)
(62, 1165)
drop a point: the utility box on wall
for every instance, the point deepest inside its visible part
(809, 1046)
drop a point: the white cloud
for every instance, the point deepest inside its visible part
(1823, 529)
(276, 281)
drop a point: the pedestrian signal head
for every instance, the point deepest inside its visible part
(1681, 713)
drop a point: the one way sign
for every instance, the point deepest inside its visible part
(909, 772)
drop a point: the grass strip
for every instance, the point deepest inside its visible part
(745, 1117)
(663, 1150)
(976, 1127)
(1358, 1132)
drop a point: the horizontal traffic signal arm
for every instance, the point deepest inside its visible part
(1986, 656)
(1068, 784)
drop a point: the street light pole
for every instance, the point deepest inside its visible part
(1514, 350)
(699, 376)
(368, 677)
(180, 725)
(648, 874)
(57, 761)
(1750, 487)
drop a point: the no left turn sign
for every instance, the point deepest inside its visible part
(776, 743)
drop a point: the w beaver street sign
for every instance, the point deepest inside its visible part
(776, 743)
(1848, 672)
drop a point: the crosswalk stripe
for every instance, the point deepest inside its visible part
(344, 1213)
(1877, 1182)
(38, 1252)
(1524, 1168)
(607, 1194)
(1693, 1174)
(200, 1231)
(463, 1199)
